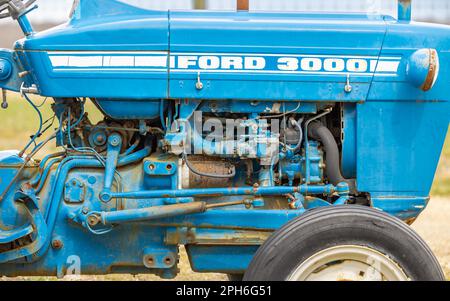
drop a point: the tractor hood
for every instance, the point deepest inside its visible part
(148, 54)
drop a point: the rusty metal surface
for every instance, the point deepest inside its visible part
(434, 68)
(208, 165)
(243, 5)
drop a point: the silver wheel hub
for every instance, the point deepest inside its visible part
(348, 263)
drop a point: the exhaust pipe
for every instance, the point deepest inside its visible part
(242, 5)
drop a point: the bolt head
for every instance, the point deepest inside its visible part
(57, 244)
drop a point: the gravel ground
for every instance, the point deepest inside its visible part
(433, 225)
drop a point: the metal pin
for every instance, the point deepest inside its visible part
(348, 87)
(4, 100)
(199, 84)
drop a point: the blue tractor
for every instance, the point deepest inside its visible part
(272, 146)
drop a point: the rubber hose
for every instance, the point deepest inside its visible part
(321, 133)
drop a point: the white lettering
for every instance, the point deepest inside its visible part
(334, 65)
(209, 62)
(255, 63)
(288, 64)
(311, 64)
(357, 65)
(230, 62)
(184, 62)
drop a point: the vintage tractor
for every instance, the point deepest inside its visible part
(272, 146)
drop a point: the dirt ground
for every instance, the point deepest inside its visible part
(433, 226)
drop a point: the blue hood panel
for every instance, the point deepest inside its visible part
(113, 50)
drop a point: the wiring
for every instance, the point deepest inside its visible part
(38, 133)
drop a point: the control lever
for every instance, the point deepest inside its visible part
(4, 100)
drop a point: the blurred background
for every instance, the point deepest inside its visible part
(53, 12)
(19, 121)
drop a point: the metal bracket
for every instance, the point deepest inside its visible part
(112, 158)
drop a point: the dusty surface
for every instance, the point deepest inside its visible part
(433, 226)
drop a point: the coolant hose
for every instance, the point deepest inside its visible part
(321, 133)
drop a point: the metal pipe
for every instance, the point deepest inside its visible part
(307, 123)
(404, 10)
(242, 5)
(40, 184)
(216, 192)
(321, 133)
(151, 213)
(43, 167)
(154, 213)
(58, 187)
(24, 165)
(25, 25)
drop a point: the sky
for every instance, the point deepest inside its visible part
(57, 11)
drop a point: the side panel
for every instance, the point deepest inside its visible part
(106, 57)
(110, 74)
(274, 56)
(399, 145)
(401, 129)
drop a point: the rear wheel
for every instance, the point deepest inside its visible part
(345, 243)
(235, 277)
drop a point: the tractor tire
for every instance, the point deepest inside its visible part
(344, 243)
(235, 277)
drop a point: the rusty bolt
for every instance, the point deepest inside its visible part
(168, 261)
(57, 244)
(93, 220)
(149, 261)
(100, 139)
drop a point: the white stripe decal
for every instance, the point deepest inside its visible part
(224, 63)
(388, 66)
(150, 61)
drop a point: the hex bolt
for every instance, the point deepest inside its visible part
(149, 261)
(57, 244)
(115, 141)
(168, 261)
(93, 220)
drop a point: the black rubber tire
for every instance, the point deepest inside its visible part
(235, 277)
(323, 228)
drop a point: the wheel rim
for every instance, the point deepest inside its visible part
(348, 263)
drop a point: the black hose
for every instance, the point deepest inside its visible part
(321, 133)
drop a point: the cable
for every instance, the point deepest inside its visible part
(100, 231)
(297, 124)
(38, 133)
(281, 115)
